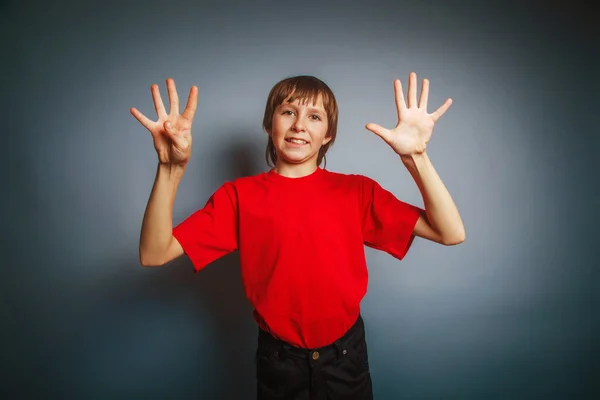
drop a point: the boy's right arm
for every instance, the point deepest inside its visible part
(172, 138)
(158, 246)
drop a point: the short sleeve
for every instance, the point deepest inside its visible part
(212, 231)
(387, 223)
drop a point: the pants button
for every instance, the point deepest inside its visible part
(315, 355)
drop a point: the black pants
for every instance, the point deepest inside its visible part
(334, 372)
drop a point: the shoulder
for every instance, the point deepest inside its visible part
(361, 187)
(245, 187)
(359, 181)
(342, 176)
(232, 191)
(248, 181)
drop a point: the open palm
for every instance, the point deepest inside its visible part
(172, 133)
(415, 125)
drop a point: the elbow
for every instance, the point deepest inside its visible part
(147, 261)
(454, 239)
(144, 262)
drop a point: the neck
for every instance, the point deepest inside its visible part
(295, 170)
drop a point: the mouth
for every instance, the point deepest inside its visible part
(296, 141)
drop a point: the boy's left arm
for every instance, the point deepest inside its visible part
(442, 222)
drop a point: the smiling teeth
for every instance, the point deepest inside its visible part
(298, 141)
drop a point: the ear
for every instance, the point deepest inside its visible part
(326, 140)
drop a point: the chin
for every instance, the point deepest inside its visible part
(296, 159)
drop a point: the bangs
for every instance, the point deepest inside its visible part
(304, 88)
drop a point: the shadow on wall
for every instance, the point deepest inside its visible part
(168, 332)
(161, 333)
(164, 333)
(222, 292)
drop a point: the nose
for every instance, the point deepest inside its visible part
(298, 126)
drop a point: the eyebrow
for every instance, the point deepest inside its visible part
(317, 110)
(311, 109)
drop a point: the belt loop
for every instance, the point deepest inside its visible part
(284, 349)
(338, 347)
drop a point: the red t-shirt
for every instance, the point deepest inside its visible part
(301, 244)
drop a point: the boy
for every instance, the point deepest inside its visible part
(301, 230)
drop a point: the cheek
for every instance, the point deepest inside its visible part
(277, 130)
(323, 126)
(281, 124)
(321, 134)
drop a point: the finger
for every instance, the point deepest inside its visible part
(440, 111)
(173, 98)
(142, 118)
(400, 103)
(158, 103)
(179, 141)
(378, 130)
(192, 103)
(424, 94)
(412, 90)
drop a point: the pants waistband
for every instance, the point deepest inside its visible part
(266, 340)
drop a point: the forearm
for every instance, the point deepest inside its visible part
(441, 211)
(157, 225)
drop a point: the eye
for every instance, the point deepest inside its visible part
(287, 112)
(316, 117)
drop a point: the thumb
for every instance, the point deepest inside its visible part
(378, 130)
(178, 140)
(169, 128)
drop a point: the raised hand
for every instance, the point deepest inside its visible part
(415, 125)
(172, 133)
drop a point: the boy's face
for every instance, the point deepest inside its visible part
(298, 131)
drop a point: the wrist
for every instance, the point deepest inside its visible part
(171, 171)
(416, 159)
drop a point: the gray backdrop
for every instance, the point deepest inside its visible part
(510, 313)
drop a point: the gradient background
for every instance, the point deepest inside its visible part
(512, 313)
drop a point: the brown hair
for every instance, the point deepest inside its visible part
(306, 88)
